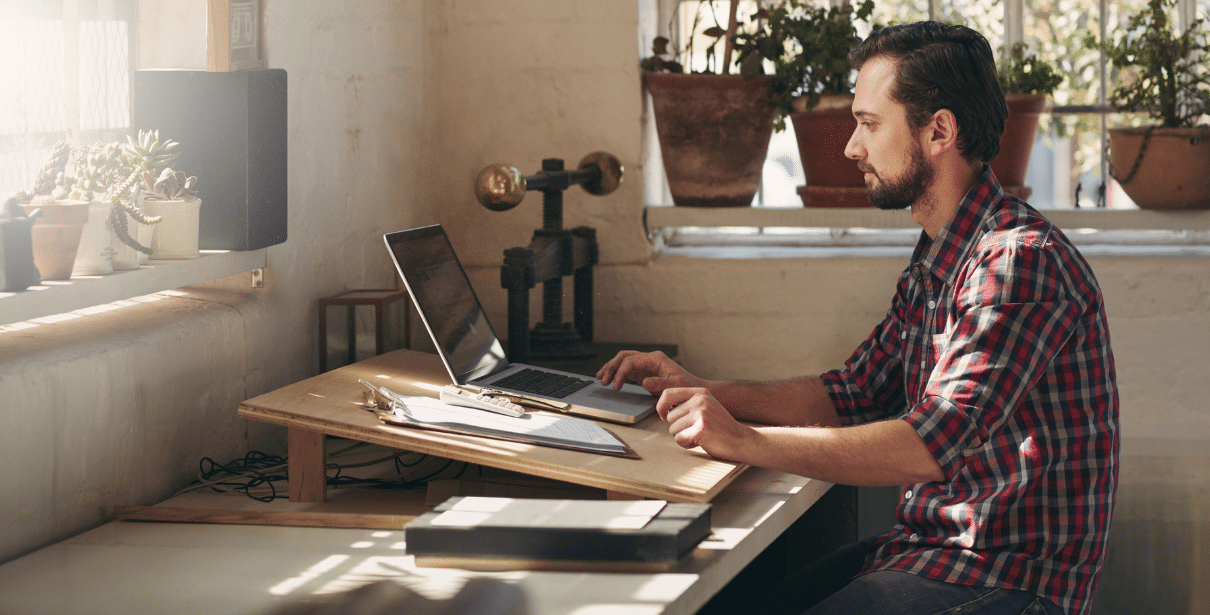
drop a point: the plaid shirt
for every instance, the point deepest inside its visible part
(996, 351)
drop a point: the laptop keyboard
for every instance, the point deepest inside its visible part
(542, 383)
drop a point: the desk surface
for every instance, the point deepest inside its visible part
(128, 567)
(330, 404)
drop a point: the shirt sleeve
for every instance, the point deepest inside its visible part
(870, 386)
(1014, 309)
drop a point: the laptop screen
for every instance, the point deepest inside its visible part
(446, 302)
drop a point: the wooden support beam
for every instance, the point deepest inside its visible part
(178, 514)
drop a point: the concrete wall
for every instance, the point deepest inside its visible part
(394, 108)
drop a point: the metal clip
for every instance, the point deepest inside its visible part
(382, 399)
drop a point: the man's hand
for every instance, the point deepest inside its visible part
(696, 418)
(653, 370)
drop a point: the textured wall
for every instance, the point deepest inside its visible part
(119, 408)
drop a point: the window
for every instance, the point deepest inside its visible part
(66, 69)
(1068, 166)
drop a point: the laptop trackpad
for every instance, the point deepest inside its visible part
(640, 398)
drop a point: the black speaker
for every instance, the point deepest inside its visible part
(232, 131)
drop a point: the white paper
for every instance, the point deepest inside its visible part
(570, 514)
(552, 428)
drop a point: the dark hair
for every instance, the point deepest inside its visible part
(939, 66)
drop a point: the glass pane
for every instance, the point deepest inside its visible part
(1066, 168)
(892, 13)
(985, 16)
(104, 75)
(32, 117)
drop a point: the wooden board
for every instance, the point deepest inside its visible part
(330, 403)
(174, 514)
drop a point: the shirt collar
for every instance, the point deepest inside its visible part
(942, 254)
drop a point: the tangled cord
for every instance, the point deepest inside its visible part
(244, 475)
(257, 474)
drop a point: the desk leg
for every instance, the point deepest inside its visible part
(307, 457)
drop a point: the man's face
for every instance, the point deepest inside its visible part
(885, 147)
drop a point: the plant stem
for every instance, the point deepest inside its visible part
(727, 45)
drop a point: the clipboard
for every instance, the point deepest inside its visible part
(536, 427)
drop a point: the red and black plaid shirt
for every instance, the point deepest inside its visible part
(996, 351)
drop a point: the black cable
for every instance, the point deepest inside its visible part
(257, 470)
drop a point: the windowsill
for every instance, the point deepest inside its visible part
(748, 252)
(768, 233)
(658, 217)
(59, 297)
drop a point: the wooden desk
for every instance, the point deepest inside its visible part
(329, 404)
(188, 568)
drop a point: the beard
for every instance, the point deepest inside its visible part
(901, 192)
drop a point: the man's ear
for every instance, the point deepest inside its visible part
(942, 133)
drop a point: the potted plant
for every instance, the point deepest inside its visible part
(1026, 80)
(133, 229)
(172, 197)
(97, 168)
(713, 129)
(813, 84)
(56, 234)
(1165, 76)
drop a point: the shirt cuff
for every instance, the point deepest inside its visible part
(949, 432)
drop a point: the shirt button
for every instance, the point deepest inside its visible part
(908, 495)
(914, 536)
(932, 304)
(903, 335)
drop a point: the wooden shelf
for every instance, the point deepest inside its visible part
(58, 297)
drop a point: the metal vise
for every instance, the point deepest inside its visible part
(552, 253)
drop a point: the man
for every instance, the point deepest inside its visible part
(988, 390)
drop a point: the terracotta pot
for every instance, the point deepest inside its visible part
(833, 179)
(1020, 132)
(56, 237)
(714, 135)
(1174, 171)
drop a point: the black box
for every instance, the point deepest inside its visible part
(661, 543)
(232, 131)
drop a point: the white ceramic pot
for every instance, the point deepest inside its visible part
(176, 235)
(126, 257)
(95, 256)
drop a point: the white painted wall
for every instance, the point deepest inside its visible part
(394, 108)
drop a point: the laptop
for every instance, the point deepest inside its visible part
(468, 345)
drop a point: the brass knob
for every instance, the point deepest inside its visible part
(611, 172)
(500, 187)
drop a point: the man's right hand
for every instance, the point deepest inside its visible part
(653, 370)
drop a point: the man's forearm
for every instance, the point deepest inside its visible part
(875, 454)
(796, 402)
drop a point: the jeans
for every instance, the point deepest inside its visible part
(828, 587)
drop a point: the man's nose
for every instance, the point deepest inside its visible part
(852, 149)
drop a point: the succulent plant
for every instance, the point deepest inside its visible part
(98, 168)
(168, 186)
(148, 154)
(60, 153)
